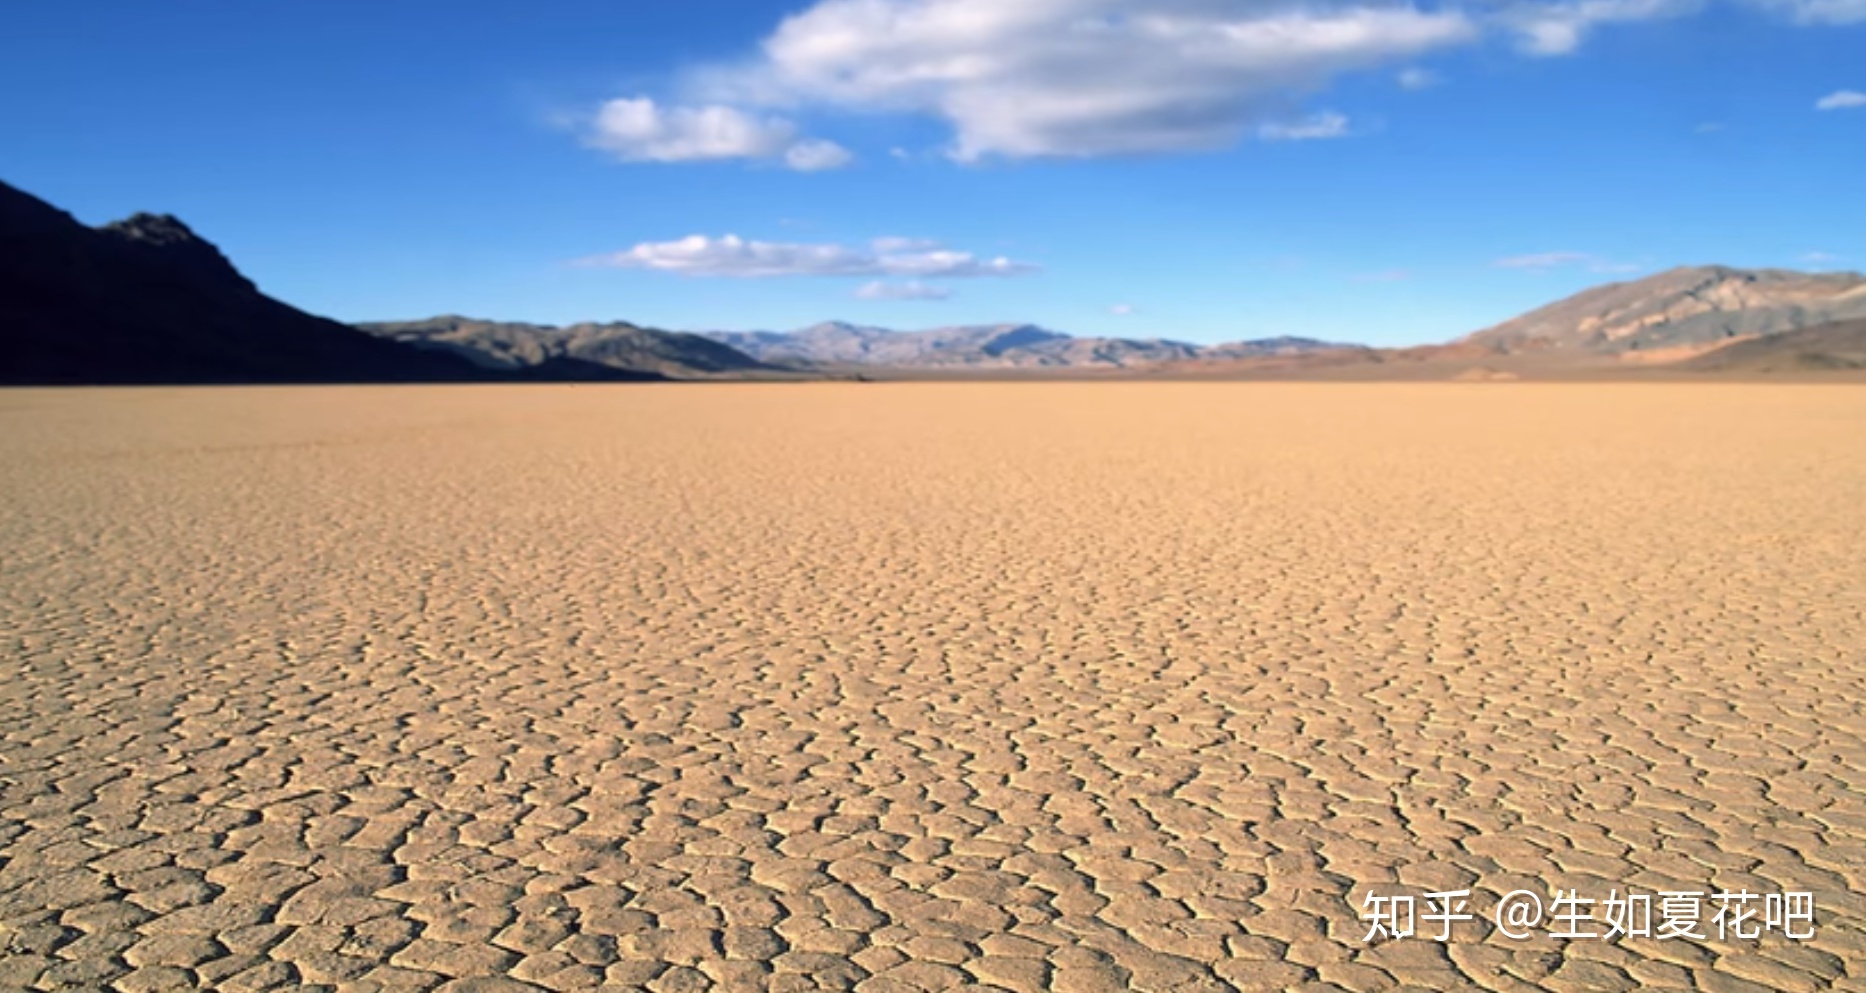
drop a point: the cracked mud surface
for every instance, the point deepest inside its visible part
(917, 687)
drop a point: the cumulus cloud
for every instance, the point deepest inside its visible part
(1841, 100)
(1542, 261)
(1325, 125)
(912, 289)
(730, 255)
(636, 129)
(1079, 77)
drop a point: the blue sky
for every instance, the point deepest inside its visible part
(1198, 169)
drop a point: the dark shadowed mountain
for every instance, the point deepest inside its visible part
(1682, 311)
(146, 300)
(596, 349)
(992, 346)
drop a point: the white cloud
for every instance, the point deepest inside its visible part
(816, 155)
(1032, 78)
(1558, 28)
(1841, 100)
(730, 255)
(1078, 77)
(639, 130)
(912, 289)
(1122, 310)
(1819, 258)
(1542, 261)
(1324, 125)
(1383, 276)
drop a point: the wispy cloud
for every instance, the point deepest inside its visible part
(894, 245)
(1382, 276)
(1415, 78)
(1841, 100)
(1708, 127)
(1544, 261)
(1320, 126)
(1813, 12)
(912, 289)
(816, 155)
(640, 130)
(1819, 258)
(1559, 28)
(1122, 310)
(732, 256)
(1541, 260)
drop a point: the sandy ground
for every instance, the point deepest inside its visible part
(921, 686)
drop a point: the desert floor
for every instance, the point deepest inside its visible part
(922, 686)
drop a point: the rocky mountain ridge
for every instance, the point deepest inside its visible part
(1682, 311)
(834, 344)
(600, 349)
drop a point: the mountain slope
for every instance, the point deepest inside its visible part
(1684, 309)
(990, 346)
(599, 350)
(1841, 345)
(146, 300)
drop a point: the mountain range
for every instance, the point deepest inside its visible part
(835, 344)
(146, 300)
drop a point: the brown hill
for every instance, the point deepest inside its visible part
(1681, 311)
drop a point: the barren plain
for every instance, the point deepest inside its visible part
(922, 686)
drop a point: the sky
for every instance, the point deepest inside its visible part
(1202, 170)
